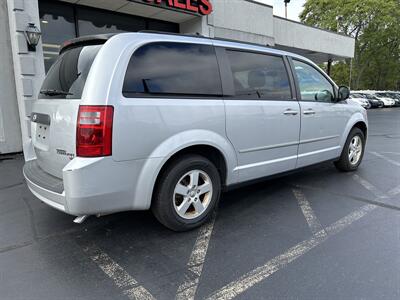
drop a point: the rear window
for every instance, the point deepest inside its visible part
(67, 76)
(166, 68)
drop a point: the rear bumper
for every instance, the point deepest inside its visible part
(94, 186)
(47, 188)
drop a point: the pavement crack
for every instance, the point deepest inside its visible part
(31, 219)
(11, 186)
(14, 247)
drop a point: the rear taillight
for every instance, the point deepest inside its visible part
(94, 131)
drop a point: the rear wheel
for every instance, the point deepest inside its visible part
(353, 151)
(187, 193)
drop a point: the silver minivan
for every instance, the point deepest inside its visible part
(139, 121)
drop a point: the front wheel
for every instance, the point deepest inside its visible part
(187, 193)
(353, 151)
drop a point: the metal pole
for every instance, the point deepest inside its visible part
(351, 71)
(286, 10)
(328, 69)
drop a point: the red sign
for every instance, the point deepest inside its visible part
(203, 7)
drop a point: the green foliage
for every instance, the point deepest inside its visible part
(375, 25)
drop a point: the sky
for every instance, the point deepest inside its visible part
(295, 7)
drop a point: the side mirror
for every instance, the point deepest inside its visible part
(324, 96)
(344, 93)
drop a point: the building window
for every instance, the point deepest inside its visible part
(97, 21)
(63, 21)
(57, 25)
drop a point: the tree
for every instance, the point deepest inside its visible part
(375, 26)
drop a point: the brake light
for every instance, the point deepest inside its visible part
(94, 131)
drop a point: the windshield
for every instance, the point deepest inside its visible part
(67, 76)
(356, 95)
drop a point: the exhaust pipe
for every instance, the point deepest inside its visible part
(80, 219)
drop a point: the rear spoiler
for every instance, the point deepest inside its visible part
(85, 41)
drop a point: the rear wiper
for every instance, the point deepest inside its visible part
(54, 92)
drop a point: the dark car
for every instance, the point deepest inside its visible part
(375, 102)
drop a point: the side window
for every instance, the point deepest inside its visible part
(165, 68)
(259, 76)
(313, 85)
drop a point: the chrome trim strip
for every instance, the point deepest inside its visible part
(318, 151)
(259, 164)
(269, 147)
(319, 139)
(289, 144)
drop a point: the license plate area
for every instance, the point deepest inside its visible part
(41, 131)
(41, 137)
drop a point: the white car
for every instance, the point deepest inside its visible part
(359, 100)
(388, 102)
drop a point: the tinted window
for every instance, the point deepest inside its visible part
(57, 25)
(173, 68)
(63, 21)
(67, 77)
(311, 81)
(259, 75)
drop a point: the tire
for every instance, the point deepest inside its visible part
(345, 164)
(170, 205)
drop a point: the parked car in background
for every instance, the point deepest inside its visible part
(139, 121)
(395, 96)
(388, 101)
(375, 102)
(359, 99)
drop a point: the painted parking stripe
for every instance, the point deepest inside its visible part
(187, 290)
(130, 287)
(389, 160)
(255, 276)
(394, 192)
(394, 153)
(308, 212)
(370, 187)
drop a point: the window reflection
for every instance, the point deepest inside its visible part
(311, 81)
(58, 23)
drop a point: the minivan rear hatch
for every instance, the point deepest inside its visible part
(54, 114)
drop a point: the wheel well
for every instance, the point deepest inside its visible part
(209, 152)
(362, 127)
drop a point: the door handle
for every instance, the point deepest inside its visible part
(309, 112)
(290, 112)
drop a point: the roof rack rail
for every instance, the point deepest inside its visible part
(198, 35)
(173, 33)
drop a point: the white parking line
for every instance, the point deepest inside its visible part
(394, 153)
(396, 163)
(251, 278)
(370, 187)
(308, 212)
(393, 192)
(255, 276)
(131, 288)
(187, 290)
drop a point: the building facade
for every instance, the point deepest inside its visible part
(60, 20)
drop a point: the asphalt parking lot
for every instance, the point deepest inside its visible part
(318, 234)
